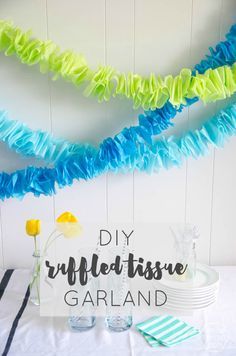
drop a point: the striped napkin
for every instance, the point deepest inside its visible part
(165, 331)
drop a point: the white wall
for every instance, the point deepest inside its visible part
(141, 35)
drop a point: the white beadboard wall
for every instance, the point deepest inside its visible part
(132, 35)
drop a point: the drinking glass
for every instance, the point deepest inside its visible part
(82, 318)
(118, 318)
(185, 237)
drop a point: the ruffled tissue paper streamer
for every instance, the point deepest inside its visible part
(111, 155)
(44, 146)
(150, 93)
(38, 144)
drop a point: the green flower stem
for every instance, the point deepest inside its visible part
(48, 239)
(51, 242)
(35, 244)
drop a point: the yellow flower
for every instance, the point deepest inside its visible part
(67, 217)
(68, 225)
(32, 227)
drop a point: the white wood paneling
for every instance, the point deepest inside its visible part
(223, 234)
(161, 197)
(17, 245)
(162, 35)
(87, 200)
(139, 35)
(120, 54)
(81, 27)
(24, 91)
(200, 172)
(223, 244)
(25, 96)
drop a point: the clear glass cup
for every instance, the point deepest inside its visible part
(118, 322)
(118, 318)
(185, 238)
(82, 318)
(81, 323)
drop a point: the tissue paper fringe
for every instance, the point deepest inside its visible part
(44, 146)
(149, 93)
(121, 153)
(150, 123)
(38, 144)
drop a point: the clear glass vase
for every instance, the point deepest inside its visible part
(35, 279)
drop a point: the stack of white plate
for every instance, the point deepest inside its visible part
(199, 293)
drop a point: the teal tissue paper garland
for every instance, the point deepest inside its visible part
(164, 153)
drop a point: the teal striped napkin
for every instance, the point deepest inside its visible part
(165, 331)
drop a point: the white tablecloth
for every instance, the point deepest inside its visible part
(35, 335)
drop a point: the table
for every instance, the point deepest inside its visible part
(32, 335)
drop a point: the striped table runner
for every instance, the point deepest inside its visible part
(165, 331)
(16, 309)
(4, 281)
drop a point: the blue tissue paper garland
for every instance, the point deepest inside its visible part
(164, 153)
(131, 148)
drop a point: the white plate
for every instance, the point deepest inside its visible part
(206, 279)
(189, 293)
(190, 302)
(179, 308)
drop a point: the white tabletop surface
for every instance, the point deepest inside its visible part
(44, 336)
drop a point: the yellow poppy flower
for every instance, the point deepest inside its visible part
(68, 225)
(33, 227)
(67, 217)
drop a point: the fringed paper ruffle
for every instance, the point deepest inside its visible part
(149, 93)
(44, 146)
(121, 153)
(38, 144)
(224, 53)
